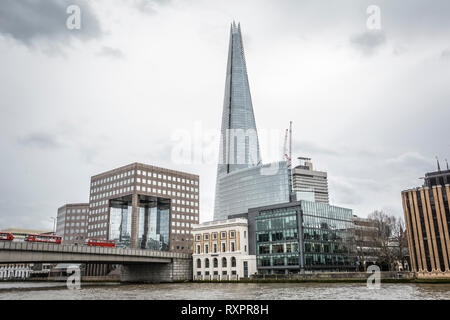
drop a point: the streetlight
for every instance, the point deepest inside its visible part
(54, 225)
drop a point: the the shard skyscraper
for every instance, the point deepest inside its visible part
(239, 184)
(239, 146)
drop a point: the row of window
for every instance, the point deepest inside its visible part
(145, 174)
(278, 260)
(215, 263)
(215, 248)
(82, 217)
(164, 177)
(76, 210)
(154, 190)
(74, 224)
(169, 193)
(144, 181)
(214, 235)
(75, 231)
(101, 233)
(184, 217)
(216, 273)
(181, 224)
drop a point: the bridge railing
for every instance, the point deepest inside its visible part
(30, 246)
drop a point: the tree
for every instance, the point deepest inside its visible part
(391, 239)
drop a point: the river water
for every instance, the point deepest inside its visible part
(225, 291)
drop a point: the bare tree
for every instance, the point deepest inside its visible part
(391, 238)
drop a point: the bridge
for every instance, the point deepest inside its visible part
(137, 265)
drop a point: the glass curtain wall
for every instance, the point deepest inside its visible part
(312, 235)
(120, 226)
(328, 237)
(154, 228)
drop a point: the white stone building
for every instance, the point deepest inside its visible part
(221, 250)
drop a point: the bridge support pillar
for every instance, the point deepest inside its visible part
(177, 270)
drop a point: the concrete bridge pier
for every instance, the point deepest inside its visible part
(176, 270)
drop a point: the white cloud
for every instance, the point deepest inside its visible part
(371, 123)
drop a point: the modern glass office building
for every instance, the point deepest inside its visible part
(239, 156)
(254, 187)
(302, 236)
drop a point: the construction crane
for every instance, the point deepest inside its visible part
(287, 150)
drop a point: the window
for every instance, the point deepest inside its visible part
(206, 263)
(223, 235)
(206, 248)
(198, 249)
(232, 234)
(214, 248)
(232, 246)
(233, 262)
(206, 236)
(224, 262)
(199, 263)
(223, 247)
(215, 263)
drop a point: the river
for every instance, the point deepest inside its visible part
(225, 291)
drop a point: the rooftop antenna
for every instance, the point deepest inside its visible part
(438, 165)
(447, 164)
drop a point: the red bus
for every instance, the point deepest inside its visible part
(7, 236)
(100, 243)
(43, 238)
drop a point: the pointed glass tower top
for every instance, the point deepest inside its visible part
(239, 147)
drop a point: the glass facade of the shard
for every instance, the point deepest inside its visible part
(240, 184)
(253, 187)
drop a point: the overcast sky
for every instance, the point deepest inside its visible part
(370, 107)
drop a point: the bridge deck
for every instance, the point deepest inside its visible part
(27, 252)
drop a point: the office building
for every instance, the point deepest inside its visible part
(146, 207)
(221, 250)
(301, 236)
(307, 181)
(72, 223)
(242, 181)
(253, 187)
(427, 220)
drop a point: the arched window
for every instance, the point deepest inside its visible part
(233, 262)
(199, 263)
(206, 263)
(215, 263)
(224, 262)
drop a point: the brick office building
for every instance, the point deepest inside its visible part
(72, 223)
(146, 207)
